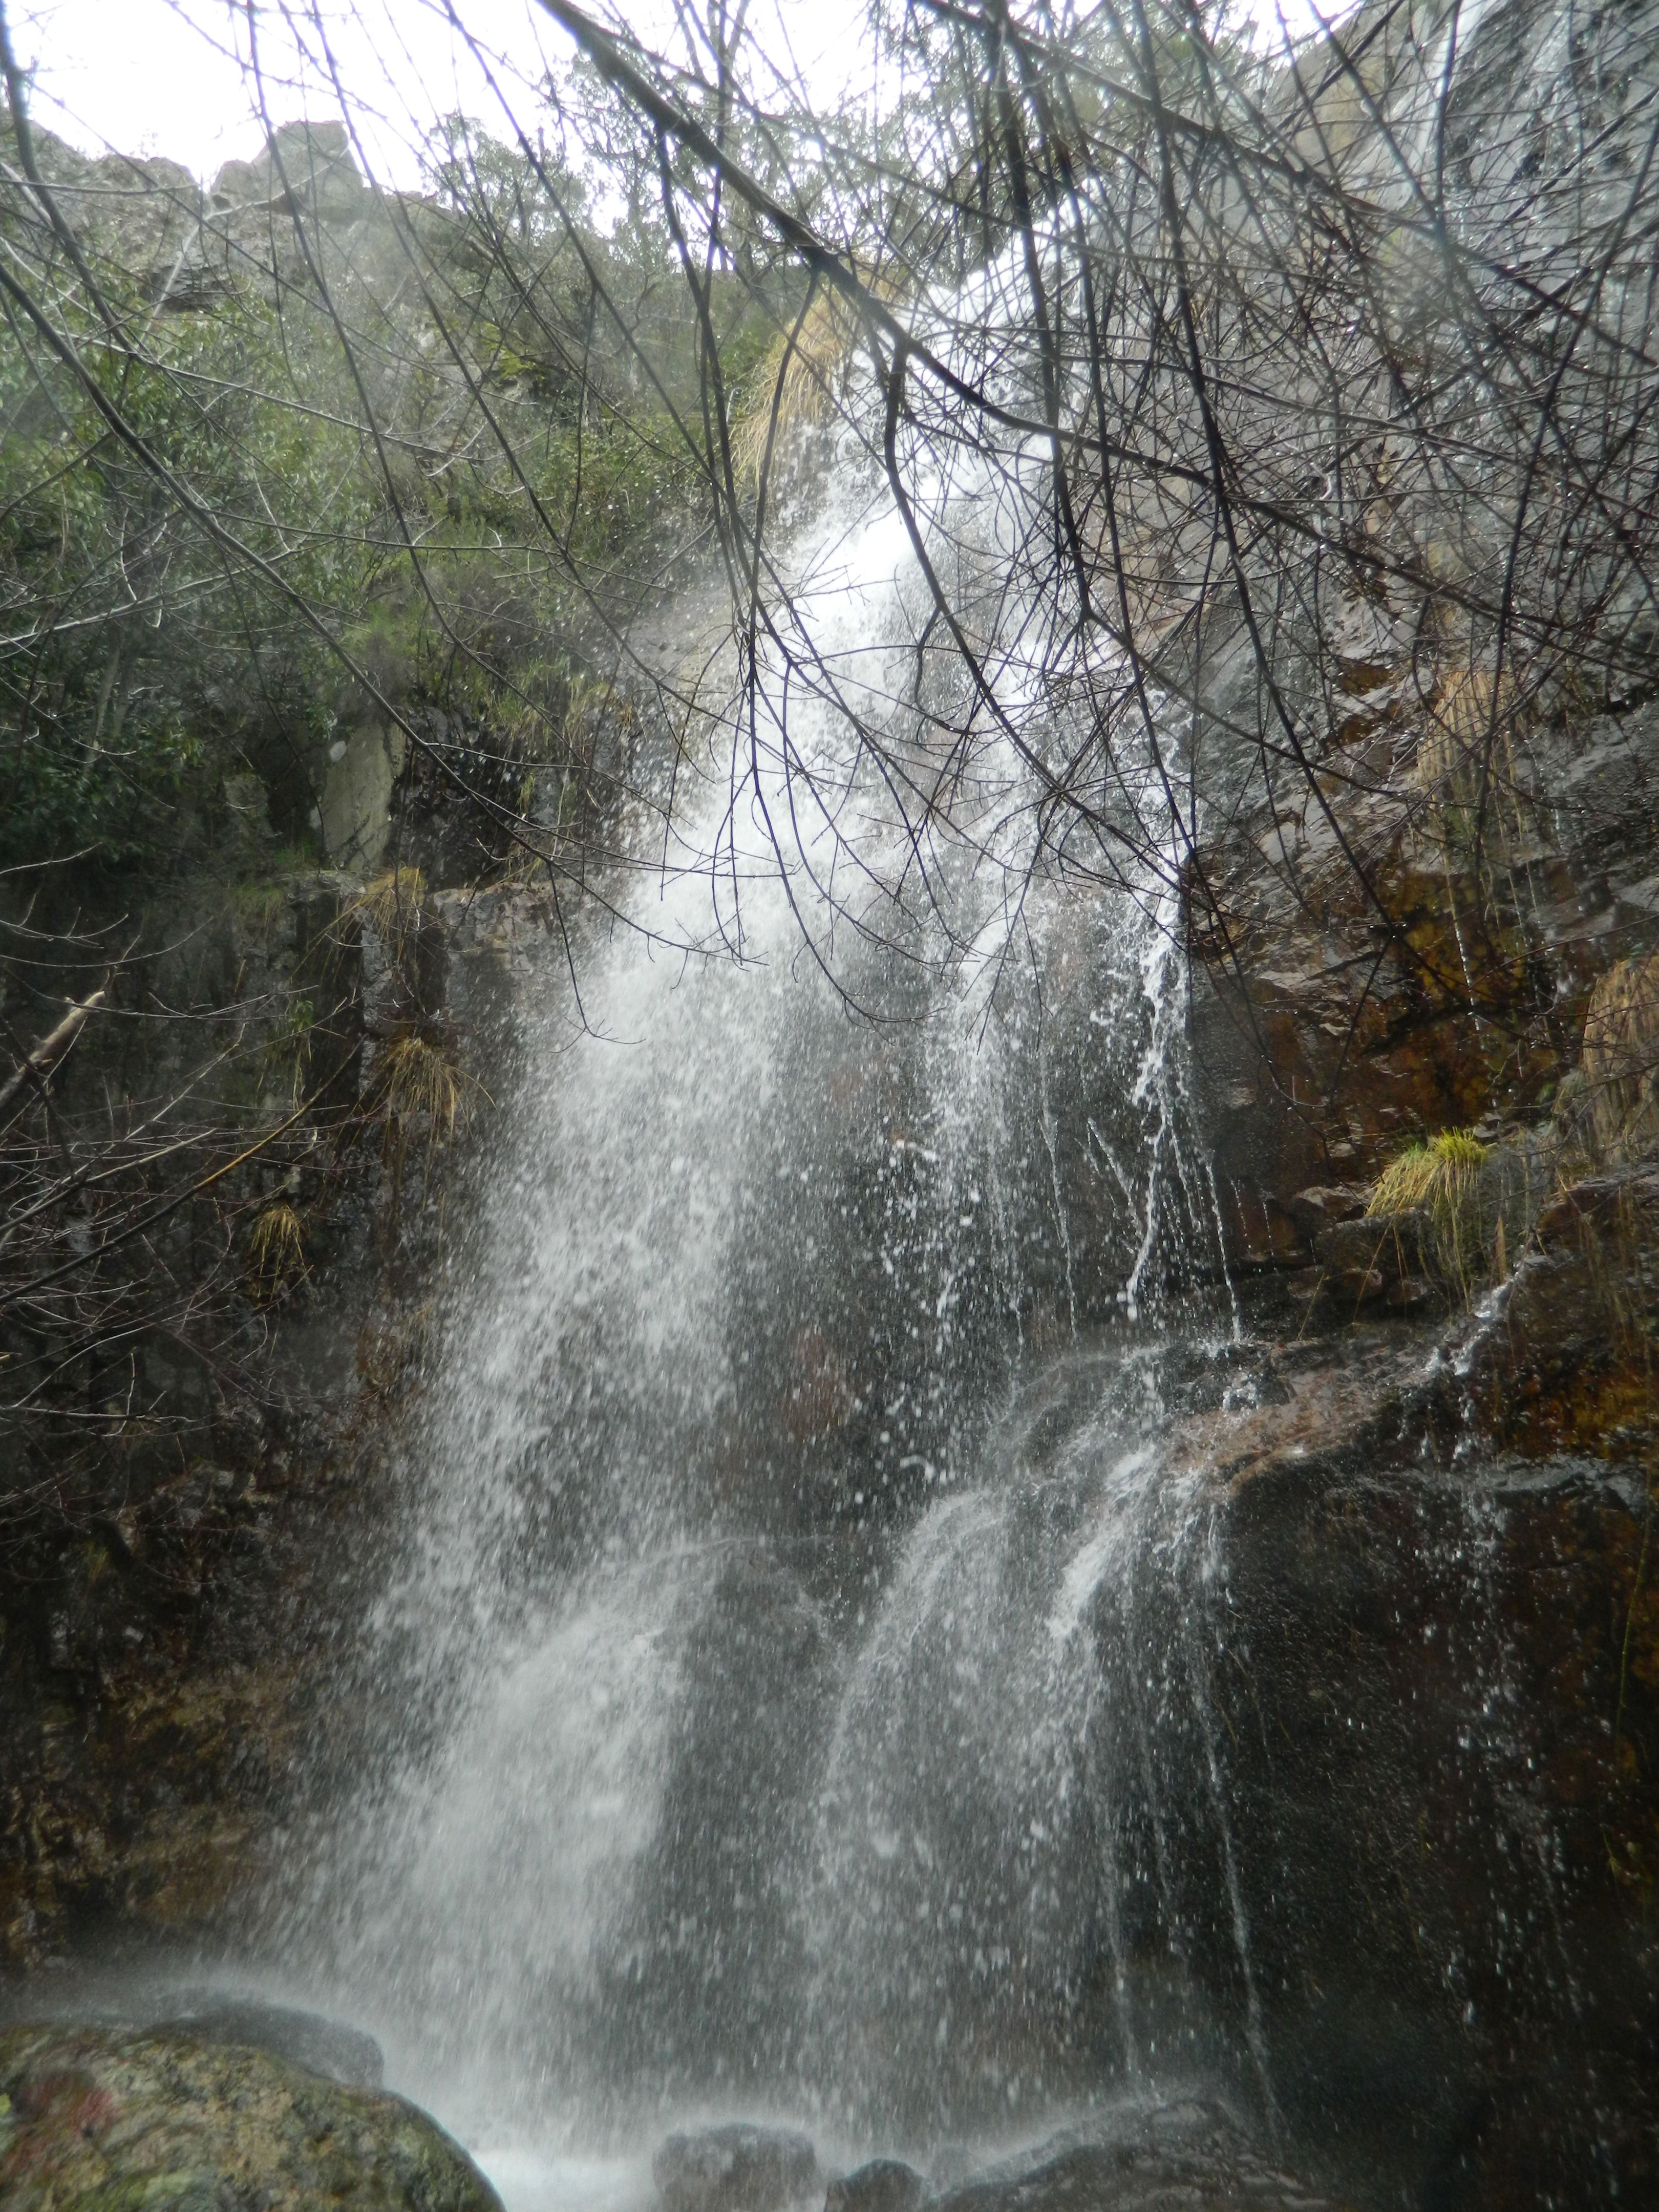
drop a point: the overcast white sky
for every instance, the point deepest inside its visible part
(171, 76)
(174, 76)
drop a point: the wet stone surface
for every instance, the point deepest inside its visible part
(101, 2120)
(885, 2185)
(1189, 2156)
(735, 2168)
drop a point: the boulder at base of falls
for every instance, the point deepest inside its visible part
(735, 2168)
(885, 2185)
(1416, 1863)
(342, 2054)
(1177, 2157)
(101, 2119)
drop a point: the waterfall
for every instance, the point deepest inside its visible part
(776, 1718)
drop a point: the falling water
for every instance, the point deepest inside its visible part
(785, 1713)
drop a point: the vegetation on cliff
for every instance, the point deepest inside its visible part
(320, 511)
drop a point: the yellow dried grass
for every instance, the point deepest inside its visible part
(795, 384)
(276, 1252)
(1621, 1059)
(391, 904)
(1468, 739)
(1441, 1180)
(1423, 1171)
(419, 1081)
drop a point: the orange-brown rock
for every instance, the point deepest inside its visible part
(1621, 1059)
(1565, 1362)
(1374, 964)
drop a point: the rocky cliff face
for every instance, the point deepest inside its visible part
(1439, 1726)
(1333, 1027)
(1438, 1667)
(171, 1606)
(297, 216)
(175, 1558)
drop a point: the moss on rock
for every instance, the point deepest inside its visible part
(102, 2120)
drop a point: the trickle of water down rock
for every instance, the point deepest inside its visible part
(809, 1678)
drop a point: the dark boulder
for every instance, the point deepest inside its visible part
(885, 2185)
(1324, 1205)
(93, 2119)
(735, 2168)
(1427, 1717)
(1365, 1263)
(1183, 2158)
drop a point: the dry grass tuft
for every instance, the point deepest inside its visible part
(275, 1253)
(1443, 1180)
(1467, 745)
(1424, 1172)
(421, 1082)
(1621, 1059)
(796, 383)
(391, 904)
(418, 1086)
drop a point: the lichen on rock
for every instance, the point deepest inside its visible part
(109, 2120)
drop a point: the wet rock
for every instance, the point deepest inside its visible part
(1564, 1362)
(1326, 1203)
(1374, 1263)
(756, 1667)
(95, 2119)
(735, 2168)
(1185, 2156)
(1432, 1705)
(952, 2164)
(885, 2185)
(1348, 1397)
(1326, 1040)
(306, 2038)
(1621, 1059)
(1432, 1700)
